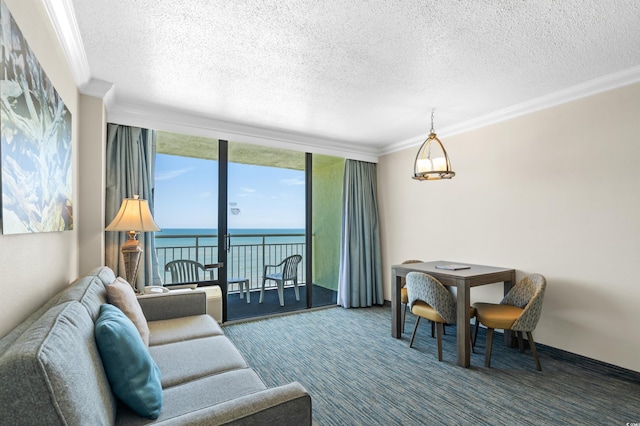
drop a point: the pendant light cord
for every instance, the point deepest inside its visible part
(432, 113)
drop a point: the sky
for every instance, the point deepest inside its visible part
(186, 195)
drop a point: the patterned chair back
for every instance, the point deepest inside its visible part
(528, 295)
(424, 287)
(403, 280)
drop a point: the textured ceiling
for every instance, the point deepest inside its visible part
(364, 73)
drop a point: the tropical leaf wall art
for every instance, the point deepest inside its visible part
(35, 127)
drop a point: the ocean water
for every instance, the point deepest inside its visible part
(186, 237)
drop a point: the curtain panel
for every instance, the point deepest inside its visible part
(130, 164)
(360, 281)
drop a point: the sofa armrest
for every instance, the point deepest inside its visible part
(162, 306)
(289, 404)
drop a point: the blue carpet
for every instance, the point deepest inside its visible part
(357, 374)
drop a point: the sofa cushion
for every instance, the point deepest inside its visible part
(133, 375)
(185, 328)
(52, 374)
(200, 394)
(178, 304)
(87, 290)
(13, 335)
(192, 359)
(120, 293)
(106, 274)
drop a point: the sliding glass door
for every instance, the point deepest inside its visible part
(250, 215)
(266, 231)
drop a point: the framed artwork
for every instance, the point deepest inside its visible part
(35, 128)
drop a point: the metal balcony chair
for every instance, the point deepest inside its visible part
(287, 270)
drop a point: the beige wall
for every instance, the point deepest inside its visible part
(92, 189)
(555, 192)
(36, 266)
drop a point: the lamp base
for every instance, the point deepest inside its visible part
(131, 253)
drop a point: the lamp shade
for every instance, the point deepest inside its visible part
(134, 215)
(432, 161)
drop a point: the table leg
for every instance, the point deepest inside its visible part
(463, 329)
(244, 285)
(396, 322)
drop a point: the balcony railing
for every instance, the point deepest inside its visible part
(246, 258)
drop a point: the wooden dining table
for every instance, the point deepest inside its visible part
(462, 280)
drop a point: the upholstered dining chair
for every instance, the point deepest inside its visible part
(430, 299)
(518, 311)
(404, 299)
(287, 270)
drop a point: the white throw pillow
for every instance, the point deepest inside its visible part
(121, 294)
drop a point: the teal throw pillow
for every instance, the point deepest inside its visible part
(132, 373)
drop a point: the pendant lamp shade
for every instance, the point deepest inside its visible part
(432, 161)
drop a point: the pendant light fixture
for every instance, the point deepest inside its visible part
(432, 161)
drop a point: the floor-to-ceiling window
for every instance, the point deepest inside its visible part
(266, 226)
(250, 206)
(185, 195)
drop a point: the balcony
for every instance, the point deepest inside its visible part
(247, 256)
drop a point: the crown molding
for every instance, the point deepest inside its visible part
(64, 22)
(97, 88)
(164, 119)
(589, 88)
(100, 89)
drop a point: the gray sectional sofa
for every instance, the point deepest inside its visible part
(51, 371)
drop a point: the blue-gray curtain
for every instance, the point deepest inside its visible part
(130, 164)
(360, 282)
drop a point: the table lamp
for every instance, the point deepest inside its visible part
(133, 217)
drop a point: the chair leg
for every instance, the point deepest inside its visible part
(534, 351)
(433, 329)
(439, 331)
(487, 356)
(520, 341)
(404, 314)
(262, 290)
(281, 292)
(413, 335)
(471, 342)
(475, 335)
(295, 288)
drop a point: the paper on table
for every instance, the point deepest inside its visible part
(453, 267)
